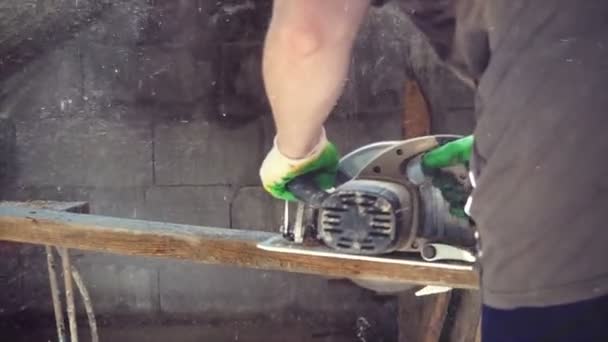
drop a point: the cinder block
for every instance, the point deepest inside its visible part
(127, 202)
(177, 23)
(11, 278)
(346, 107)
(242, 94)
(84, 152)
(253, 208)
(11, 296)
(341, 300)
(349, 134)
(119, 25)
(335, 296)
(7, 154)
(9, 261)
(168, 76)
(380, 65)
(236, 20)
(119, 284)
(222, 292)
(36, 294)
(116, 284)
(48, 87)
(208, 205)
(204, 153)
(110, 73)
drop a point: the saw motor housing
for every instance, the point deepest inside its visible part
(383, 203)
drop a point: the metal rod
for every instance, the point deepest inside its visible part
(285, 228)
(69, 293)
(88, 304)
(298, 227)
(59, 320)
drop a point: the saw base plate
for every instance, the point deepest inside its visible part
(280, 245)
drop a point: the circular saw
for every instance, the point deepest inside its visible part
(383, 207)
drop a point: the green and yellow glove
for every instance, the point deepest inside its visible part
(451, 154)
(278, 170)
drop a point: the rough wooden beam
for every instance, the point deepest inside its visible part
(467, 313)
(71, 207)
(421, 318)
(200, 244)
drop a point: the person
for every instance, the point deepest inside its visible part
(538, 158)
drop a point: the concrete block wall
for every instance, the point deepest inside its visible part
(156, 111)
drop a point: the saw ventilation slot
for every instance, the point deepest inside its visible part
(374, 226)
(377, 212)
(379, 234)
(335, 209)
(358, 222)
(334, 230)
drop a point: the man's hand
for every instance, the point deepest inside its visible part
(450, 154)
(307, 52)
(453, 153)
(278, 170)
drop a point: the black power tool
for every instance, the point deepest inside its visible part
(383, 205)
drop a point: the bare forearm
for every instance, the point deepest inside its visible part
(306, 60)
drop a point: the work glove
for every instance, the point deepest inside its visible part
(434, 163)
(278, 170)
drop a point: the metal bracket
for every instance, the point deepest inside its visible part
(438, 251)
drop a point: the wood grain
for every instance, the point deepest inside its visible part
(433, 317)
(421, 319)
(200, 244)
(467, 315)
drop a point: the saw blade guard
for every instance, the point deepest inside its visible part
(383, 202)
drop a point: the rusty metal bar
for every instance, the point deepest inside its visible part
(88, 304)
(69, 293)
(59, 320)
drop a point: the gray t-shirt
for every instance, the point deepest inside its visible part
(541, 141)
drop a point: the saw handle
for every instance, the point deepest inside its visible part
(306, 190)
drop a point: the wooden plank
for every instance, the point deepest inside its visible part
(434, 317)
(72, 207)
(467, 315)
(200, 244)
(421, 318)
(478, 333)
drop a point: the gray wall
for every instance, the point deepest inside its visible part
(155, 110)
